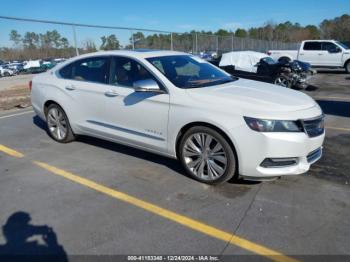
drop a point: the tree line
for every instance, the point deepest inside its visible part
(51, 44)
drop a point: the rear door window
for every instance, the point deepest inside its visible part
(93, 69)
(312, 46)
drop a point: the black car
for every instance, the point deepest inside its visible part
(288, 74)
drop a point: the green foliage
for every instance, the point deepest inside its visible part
(51, 43)
(241, 32)
(30, 40)
(89, 46)
(109, 43)
(223, 32)
(15, 37)
(337, 28)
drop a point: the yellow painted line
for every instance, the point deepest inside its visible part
(10, 151)
(170, 215)
(338, 128)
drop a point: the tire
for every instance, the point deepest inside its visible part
(207, 166)
(6, 74)
(347, 67)
(282, 81)
(58, 124)
(284, 59)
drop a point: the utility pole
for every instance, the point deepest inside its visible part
(232, 42)
(75, 41)
(171, 42)
(132, 40)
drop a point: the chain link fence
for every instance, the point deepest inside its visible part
(24, 39)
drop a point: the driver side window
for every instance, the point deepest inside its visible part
(125, 72)
(328, 46)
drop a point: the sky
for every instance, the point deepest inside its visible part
(176, 15)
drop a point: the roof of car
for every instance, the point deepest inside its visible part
(140, 53)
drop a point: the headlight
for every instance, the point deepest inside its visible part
(264, 125)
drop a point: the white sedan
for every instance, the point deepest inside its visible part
(181, 106)
(4, 71)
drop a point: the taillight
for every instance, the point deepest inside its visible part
(268, 53)
(30, 85)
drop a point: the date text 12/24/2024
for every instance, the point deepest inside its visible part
(173, 258)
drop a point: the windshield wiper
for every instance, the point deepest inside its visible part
(224, 81)
(209, 82)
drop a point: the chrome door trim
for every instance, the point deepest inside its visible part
(126, 130)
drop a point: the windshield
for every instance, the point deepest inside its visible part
(186, 71)
(343, 45)
(268, 60)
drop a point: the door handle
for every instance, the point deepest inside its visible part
(111, 93)
(70, 87)
(320, 54)
(301, 54)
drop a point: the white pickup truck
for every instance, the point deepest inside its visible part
(319, 53)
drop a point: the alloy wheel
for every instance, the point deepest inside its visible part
(204, 156)
(348, 67)
(57, 123)
(281, 81)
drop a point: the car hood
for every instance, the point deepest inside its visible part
(303, 65)
(253, 96)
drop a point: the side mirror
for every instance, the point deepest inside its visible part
(147, 85)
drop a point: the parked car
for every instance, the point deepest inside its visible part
(183, 107)
(33, 67)
(59, 60)
(47, 64)
(261, 67)
(16, 67)
(208, 56)
(319, 53)
(5, 71)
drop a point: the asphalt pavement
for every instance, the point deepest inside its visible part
(78, 192)
(91, 197)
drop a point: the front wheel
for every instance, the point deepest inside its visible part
(284, 60)
(58, 124)
(207, 156)
(282, 81)
(347, 67)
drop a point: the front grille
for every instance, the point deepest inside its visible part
(314, 127)
(314, 155)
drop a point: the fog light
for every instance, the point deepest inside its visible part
(279, 162)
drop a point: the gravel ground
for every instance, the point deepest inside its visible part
(14, 92)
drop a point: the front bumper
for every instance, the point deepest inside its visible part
(254, 147)
(302, 165)
(303, 80)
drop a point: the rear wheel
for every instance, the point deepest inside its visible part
(6, 74)
(207, 156)
(282, 81)
(58, 124)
